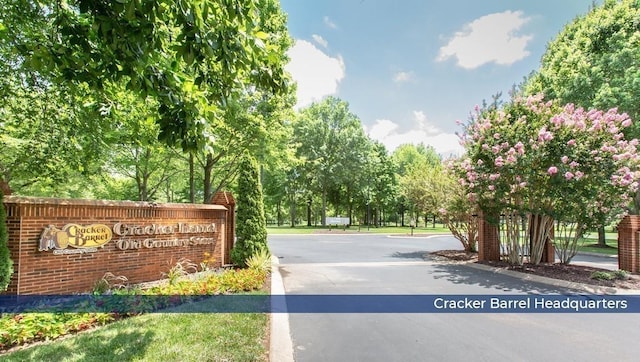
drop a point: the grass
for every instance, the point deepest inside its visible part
(161, 337)
(283, 230)
(590, 245)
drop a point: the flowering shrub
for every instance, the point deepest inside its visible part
(458, 212)
(18, 329)
(533, 160)
(29, 327)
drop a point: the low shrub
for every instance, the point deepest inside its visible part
(108, 283)
(621, 274)
(260, 260)
(181, 268)
(30, 327)
(18, 329)
(602, 275)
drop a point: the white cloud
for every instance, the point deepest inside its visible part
(401, 77)
(491, 38)
(387, 132)
(316, 73)
(423, 125)
(328, 22)
(320, 40)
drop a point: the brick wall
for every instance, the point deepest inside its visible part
(629, 244)
(43, 272)
(488, 239)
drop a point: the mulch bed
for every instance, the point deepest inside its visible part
(569, 272)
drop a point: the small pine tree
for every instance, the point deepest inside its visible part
(6, 265)
(251, 229)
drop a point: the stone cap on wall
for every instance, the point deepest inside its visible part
(27, 200)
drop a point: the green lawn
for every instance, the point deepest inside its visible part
(586, 245)
(161, 337)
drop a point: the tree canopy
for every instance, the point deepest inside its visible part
(595, 61)
(191, 56)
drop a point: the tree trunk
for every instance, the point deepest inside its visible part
(292, 211)
(279, 213)
(309, 212)
(324, 207)
(208, 170)
(192, 181)
(601, 237)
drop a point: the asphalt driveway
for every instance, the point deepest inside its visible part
(380, 265)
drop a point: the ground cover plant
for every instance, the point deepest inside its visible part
(25, 328)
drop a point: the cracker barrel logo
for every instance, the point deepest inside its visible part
(84, 238)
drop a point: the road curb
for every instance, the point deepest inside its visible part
(583, 288)
(280, 346)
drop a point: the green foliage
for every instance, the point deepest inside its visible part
(602, 275)
(18, 329)
(251, 227)
(426, 188)
(30, 327)
(88, 88)
(161, 337)
(181, 268)
(337, 156)
(243, 280)
(535, 162)
(228, 281)
(6, 264)
(595, 60)
(260, 261)
(108, 283)
(595, 63)
(208, 262)
(456, 211)
(191, 55)
(621, 274)
(409, 157)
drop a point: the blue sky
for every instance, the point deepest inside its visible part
(410, 68)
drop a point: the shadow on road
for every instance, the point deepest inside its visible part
(421, 255)
(461, 274)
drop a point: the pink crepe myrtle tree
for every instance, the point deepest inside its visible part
(538, 164)
(459, 213)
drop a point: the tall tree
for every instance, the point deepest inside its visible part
(411, 159)
(333, 148)
(251, 227)
(48, 134)
(184, 53)
(426, 188)
(381, 181)
(595, 63)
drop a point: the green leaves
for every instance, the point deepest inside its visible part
(154, 46)
(251, 226)
(595, 61)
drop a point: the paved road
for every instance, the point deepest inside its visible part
(376, 264)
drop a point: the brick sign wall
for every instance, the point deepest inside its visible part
(65, 246)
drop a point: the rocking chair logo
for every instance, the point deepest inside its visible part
(85, 239)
